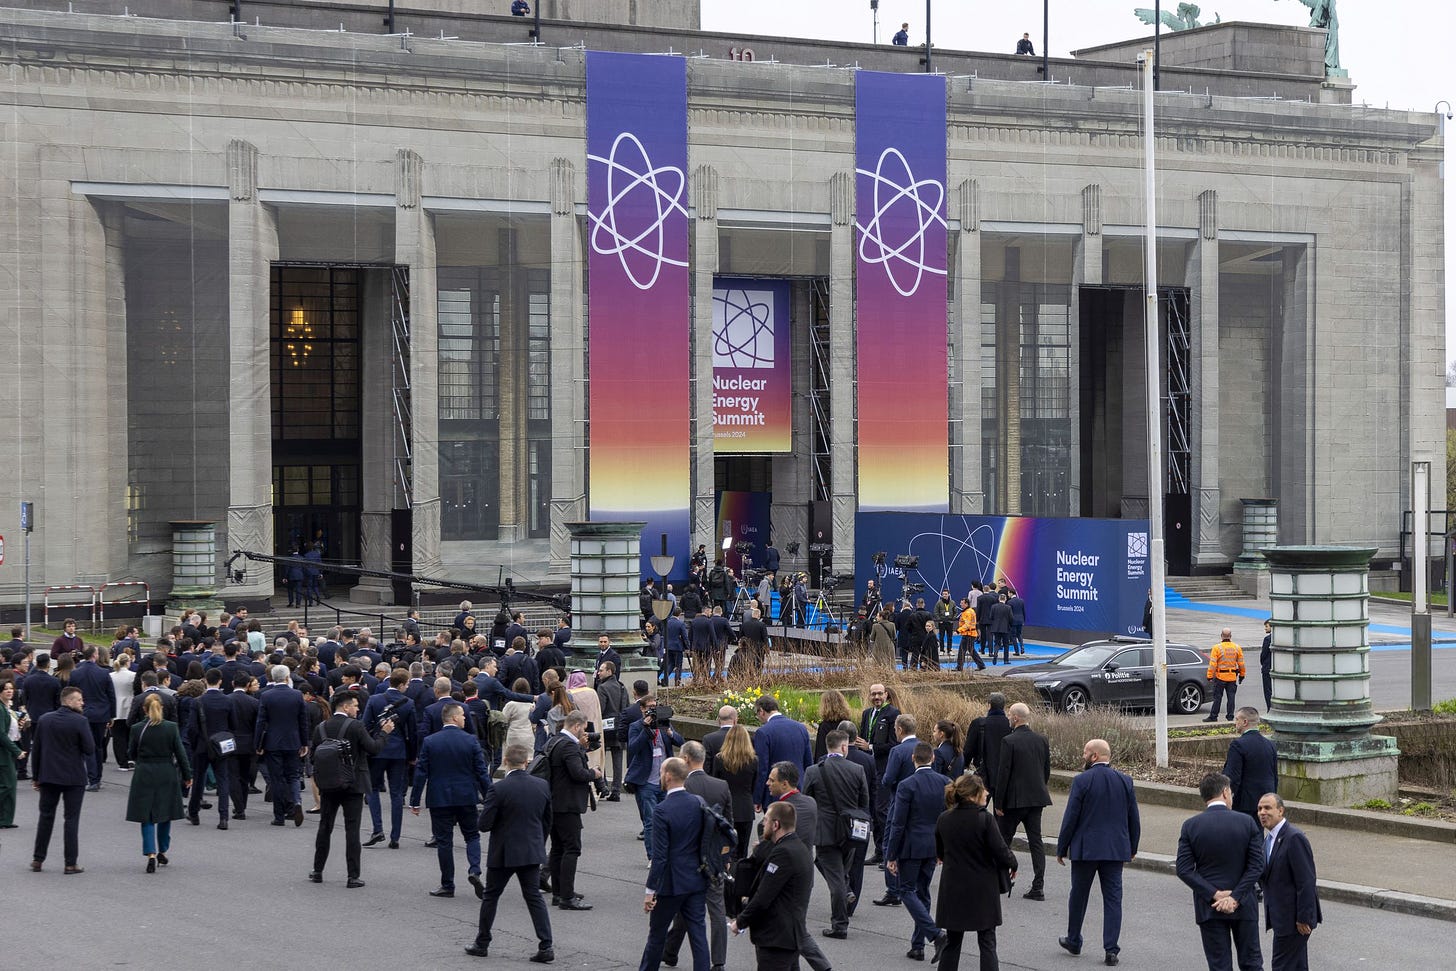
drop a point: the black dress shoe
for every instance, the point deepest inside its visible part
(837, 935)
(875, 860)
(298, 814)
(476, 951)
(1213, 718)
(940, 943)
(315, 877)
(151, 864)
(162, 859)
(575, 903)
(916, 954)
(474, 879)
(1110, 960)
(354, 883)
(374, 839)
(70, 870)
(611, 797)
(206, 804)
(254, 791)
(888, 901)
(1068, 946)
(669, 961)
(394, 844)
(222, 824)
(240, 815)
(193, 819)
(543, 956)
(275, 822)
(1033, 894)
(443, 892)
(431, 843)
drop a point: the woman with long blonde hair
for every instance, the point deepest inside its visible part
(163, 773)
(737, 764)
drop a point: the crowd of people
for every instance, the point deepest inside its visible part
(492, 735)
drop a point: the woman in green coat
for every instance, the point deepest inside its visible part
(10, 727)
(163, 773)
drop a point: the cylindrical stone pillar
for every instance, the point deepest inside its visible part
(1261, 526)
(1322, 713)
(194, 565)
(606, 566)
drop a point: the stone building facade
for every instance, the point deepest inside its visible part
(297, 281)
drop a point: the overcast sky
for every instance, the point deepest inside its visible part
(1401, 55)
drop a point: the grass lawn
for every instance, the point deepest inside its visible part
(1437, 599)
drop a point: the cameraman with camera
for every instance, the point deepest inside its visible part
(571, 790)
(650, 740)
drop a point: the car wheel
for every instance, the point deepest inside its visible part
(1074, 700)
(1188, 698)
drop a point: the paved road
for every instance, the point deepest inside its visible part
(247, 886)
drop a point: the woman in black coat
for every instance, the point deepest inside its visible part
(975, 860)
(162, 772)
(737, 765)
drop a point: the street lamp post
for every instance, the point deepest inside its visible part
(1046, 34)
(928, 68)
(1420, 607)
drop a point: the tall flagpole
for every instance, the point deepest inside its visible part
(1151, 338)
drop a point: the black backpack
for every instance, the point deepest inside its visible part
(540, 764)
(333, 761)
(717, 843)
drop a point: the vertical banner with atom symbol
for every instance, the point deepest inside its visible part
(752, 381)
(638, 339)
(900, 290)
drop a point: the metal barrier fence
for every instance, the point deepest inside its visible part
(102, 603)
(70, 602)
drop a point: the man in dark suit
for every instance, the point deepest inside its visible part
(755, 638)
(452, 762)
(42, 690)
(674, 644)
(1220, 856)
(986, 600)
(1021, 790)
(704, 643)
(492, 691)
(1266, 664)
(898, 767)
(245, 763)
(983, 740)
(866, 762)
(571, 781)
(675, 885)
(716, 794)
(779, 739)
(910, 847)
(1291, 900)
(399, 750)
(60, 755)
(100, 708)
(877, 737)
(1100, 832)
(149, 687)
(517, 815)
(281, 737)
(344, 724)
(837, 787)
(1252, 765)
(212, 714)
(778, 898)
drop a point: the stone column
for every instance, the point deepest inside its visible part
(705, 267)
(414, 248)
(194, 567)
(1322, 714)
(568, 367)
(252, 248)
(606, 566)
(967, 493)
(1202, 275)
(1261, 531)
(1086, 271)
(1294, 400)
(376, 433)
(512, 423)
(843, 344)
(115, 545)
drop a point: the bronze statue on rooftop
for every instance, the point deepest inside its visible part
(1185, 19)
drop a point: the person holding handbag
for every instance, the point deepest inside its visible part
(163, 773)
(977, 869)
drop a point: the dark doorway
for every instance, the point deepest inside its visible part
(314, 364)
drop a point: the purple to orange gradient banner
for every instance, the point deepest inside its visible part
(753, 408)
(638, 336)
(900, 290)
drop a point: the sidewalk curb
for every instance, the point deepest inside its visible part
(1355, 820)
(1375, 898)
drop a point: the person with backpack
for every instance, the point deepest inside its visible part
(341, 750)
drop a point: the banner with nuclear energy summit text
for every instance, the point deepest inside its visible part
(638, 338)
(752, 377)
(900, 291)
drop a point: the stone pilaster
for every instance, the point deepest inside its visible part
(377, 436)
(1086, 271)
(513, 352)
(705, 266)
(252, 248)
(113, 297)
(1295, 405)
(843, 346)
(1202, 275)
(568, 368)
(967, 493)
(414, 248)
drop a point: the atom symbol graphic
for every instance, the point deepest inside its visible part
(743, 328)
(631, 176)
(894, 184)
(978, 547)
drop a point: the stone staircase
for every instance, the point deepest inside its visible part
(1220, 589)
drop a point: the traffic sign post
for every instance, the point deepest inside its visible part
(27, 526)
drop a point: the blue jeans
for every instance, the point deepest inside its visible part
(915, 877)
(443, 820)
(393, 770)
(647, 796)
(156, 837)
